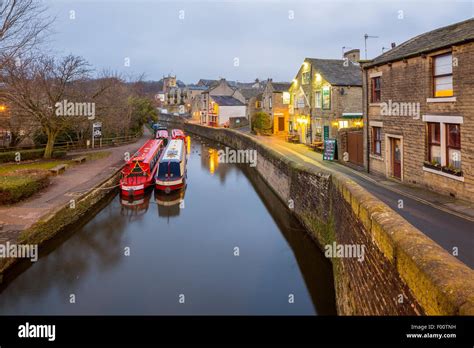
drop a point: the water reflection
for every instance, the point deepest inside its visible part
(133, 206)
(170, 205)
(194, 255)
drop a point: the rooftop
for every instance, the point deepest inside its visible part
(337, 72)
(427, 42)
(222, 100)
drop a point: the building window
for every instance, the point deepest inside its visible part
(376, 90)
(270, 102)
(443, 75)
(258, 104)
(326, 98)
(434, 143)
(377, 141)
(343, 124)
(305, 78)
(300, 102)
(286, 98)
(453, 145)
(317, 99)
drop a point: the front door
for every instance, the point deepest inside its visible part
(396, 158)
(281, 124)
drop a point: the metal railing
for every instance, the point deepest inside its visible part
(73, 145)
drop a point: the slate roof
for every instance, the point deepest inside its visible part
(281, 86)
(196, 87)
(336, 72)
(250, 92)
(433, 40)
(224, 100)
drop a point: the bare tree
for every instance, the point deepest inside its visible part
(38, 84)
(22, 23)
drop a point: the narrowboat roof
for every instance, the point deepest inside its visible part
(177, 132)
(174, 151)
(145, 153)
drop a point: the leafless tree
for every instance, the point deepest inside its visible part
(38, 84)
(22, 25)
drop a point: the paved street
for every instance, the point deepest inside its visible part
(446, 220)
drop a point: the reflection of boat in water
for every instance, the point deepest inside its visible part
(169, 205)
(135, 205)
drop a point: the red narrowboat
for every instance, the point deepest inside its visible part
(178, 134)
(163, 135)
(140, 170)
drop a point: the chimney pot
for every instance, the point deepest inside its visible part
(394, 44)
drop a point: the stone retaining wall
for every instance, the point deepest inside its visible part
(62, 218)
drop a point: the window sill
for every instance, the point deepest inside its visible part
(377, 157)
(439, 172)
(441, 100)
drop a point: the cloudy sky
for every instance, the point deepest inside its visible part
(236, 39)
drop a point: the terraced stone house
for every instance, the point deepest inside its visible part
(275, 102)
(326, 96)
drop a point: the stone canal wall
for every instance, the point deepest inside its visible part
(403, 272)
(61, 219)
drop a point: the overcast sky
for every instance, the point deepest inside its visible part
(202, 38)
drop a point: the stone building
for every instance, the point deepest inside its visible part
(325, 96)
(275, 102)
(209, 107)
(419, 102)
(251, 96)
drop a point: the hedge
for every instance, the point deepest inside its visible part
(16, 188)
(29, 155)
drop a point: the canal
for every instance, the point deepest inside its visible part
(226, 246)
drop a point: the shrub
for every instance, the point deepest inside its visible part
(262, 123)
(29, 155)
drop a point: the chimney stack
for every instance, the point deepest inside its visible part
(353, 55)
(394, 44)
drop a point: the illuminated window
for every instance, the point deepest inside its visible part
(443, 75)
(326, 98)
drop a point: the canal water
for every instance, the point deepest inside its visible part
(225, 246)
